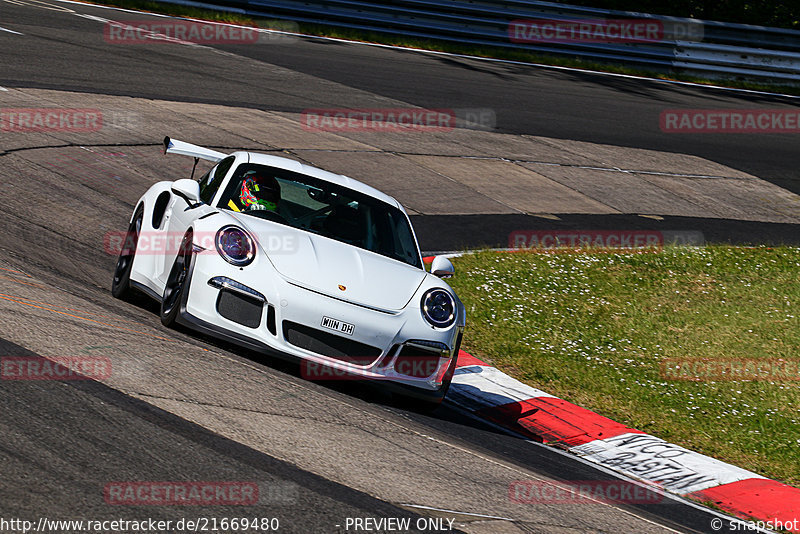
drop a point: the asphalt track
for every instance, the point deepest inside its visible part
(186, 408)
(558, 104)
(562, 104)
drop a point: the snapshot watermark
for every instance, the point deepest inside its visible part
(730, 121)
(583, 492)
(562, 31)
(601, 239)
(181, 493)
(75, 120)
(55, 368)
(170, 243)
(712, 370)
(397, 119)
(739, 525)
(196, 32)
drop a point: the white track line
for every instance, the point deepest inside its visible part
(10, 31)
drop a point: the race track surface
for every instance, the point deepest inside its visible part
(568, 150)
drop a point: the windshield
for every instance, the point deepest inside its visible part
(319, 207)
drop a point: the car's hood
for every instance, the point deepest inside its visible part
(333, 268)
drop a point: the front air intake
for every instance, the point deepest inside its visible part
(239, 308)
(330, 345)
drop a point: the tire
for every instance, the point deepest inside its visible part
(121, 283)
(177, 283)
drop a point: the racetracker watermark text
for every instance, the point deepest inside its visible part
(582, 492)
(563, 31)
(55, 368)
(601, 239)
(170, 243)
(730, 121)
(404, 366)
(195, 32)
(181, 493)
(585, 30)
(396, 119)
(708, 370)
(76, 120)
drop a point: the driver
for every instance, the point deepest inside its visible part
(259, 192)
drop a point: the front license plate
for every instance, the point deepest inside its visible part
(338, 326)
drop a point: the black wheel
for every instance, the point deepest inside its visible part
(177, 282)
(121, 284)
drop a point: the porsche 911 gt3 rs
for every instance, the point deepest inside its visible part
(297, 262)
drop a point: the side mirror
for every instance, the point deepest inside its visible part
(442, 267)
(188, 190)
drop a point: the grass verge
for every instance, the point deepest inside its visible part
(595, 327)
(441, 46)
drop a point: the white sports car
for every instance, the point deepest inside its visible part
(295, 261)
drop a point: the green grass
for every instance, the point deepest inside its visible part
(593, 328)
(442, 46)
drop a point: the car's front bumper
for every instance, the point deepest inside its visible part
(283, 319)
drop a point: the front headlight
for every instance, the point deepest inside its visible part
(235, 246)
(439, 308)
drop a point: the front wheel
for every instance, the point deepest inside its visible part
(177, 283)
(121, 284)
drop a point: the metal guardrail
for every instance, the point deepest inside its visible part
(709, 48)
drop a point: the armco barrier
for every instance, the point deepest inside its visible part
(710, 48)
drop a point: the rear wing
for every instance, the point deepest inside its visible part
(173, 146)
